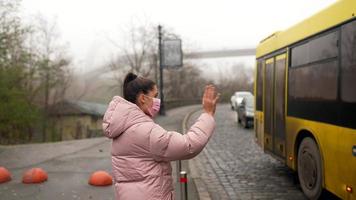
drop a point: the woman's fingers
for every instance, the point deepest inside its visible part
(205, 95)
(206, 92)
(210, 99)
(210, 91)
(213, 93)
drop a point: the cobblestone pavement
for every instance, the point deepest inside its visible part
(233, 166)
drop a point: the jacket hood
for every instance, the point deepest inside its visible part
(121, 115)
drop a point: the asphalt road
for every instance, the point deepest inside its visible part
(69, 165)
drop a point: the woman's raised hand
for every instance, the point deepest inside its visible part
(210, 99)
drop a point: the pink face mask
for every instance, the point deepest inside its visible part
(154, 109)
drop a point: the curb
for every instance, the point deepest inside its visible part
(203, 192)
(186, 118)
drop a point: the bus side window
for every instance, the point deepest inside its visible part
(348, 63)
(347, 113)
(313, 79)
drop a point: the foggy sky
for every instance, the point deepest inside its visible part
(202, 24)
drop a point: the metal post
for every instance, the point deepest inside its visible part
(183, 185)
(162, 110)
(179, 168)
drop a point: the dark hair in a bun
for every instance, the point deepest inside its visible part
(129, 77)
(133, 85)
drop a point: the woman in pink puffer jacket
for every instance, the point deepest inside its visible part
(141, 149)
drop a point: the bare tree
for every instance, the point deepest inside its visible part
(237, 78)
(136, 51)
(14, 58)
(52, 73)
(185, 83)
(54, 62)
(34, 71)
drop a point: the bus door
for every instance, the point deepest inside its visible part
(259, 103)
(280, 105)
(274, 105)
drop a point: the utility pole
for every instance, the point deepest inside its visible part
(162, 110)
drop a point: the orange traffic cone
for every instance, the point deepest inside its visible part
(5, 175)
(34, 175)
(100, 178)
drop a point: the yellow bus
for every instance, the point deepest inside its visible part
(305, 95)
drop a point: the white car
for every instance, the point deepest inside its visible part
(237, 98)
(246, 112)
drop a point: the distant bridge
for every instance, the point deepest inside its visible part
(220, 53)
(195, 55)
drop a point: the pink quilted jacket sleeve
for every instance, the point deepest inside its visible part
(170, 146)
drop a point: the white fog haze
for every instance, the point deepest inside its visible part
(97, 42)
(202, 25)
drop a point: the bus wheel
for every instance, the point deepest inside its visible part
(310, 168)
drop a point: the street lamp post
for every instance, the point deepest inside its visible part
(162, 110)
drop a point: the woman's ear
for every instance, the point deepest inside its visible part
(141, 99)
